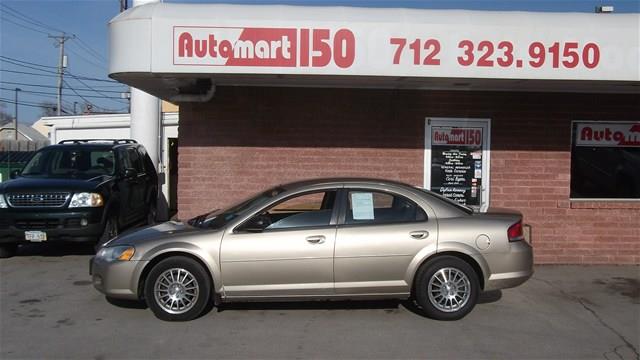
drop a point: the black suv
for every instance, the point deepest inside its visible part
(78, 190)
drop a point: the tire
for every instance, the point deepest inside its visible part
(455, 304)
(8, 250)
(110, 231)
(193, 292)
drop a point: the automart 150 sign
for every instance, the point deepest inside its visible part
(446, 49)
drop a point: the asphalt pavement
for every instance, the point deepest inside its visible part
(49, 309)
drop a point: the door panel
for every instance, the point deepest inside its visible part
(374, 259)
(278, 262)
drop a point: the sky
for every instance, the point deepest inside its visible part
(29, 58)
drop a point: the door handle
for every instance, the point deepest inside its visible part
(423, 234)
(317, 239)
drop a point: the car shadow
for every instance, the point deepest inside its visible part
(55, 249)
(127, 304)
(311, 305)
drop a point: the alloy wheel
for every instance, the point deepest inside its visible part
(449, 289)
(176, 290)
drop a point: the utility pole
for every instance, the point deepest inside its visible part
(15, 117)
(62, 63)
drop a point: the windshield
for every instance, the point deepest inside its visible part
(459, 206)
(70, 163)
(216, 219)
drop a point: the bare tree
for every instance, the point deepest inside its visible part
(48, 108)
(4, 115)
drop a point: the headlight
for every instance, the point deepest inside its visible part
(3, 203)
(86, 200)
(122, 253)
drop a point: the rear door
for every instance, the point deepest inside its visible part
(381, 233)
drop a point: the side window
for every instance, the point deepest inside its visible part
(125, 162)
(146, 161)
(136, 161)
(306, 210)
(374, 207)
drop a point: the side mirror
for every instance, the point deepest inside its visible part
(14, 174)
(257, 224)
(130, 173)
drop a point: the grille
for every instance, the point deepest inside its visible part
(57, 199)
(37, 224)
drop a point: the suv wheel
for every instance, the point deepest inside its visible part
(177, 289)
(110, 231)
(8, 250)
(447, 288)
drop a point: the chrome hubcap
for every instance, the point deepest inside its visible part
(449, 289)
(176, 290)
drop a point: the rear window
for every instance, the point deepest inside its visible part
(453, 203)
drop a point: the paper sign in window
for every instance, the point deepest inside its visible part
(362, 205)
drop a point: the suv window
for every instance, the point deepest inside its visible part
(136, 161)
(83, 163)
(299, 211)
(375, 207)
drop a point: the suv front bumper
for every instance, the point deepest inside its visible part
(58, 224)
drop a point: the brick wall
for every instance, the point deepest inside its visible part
(247, 139)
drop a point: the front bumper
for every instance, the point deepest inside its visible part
(117, 279)
(511, 269)
(58, 224)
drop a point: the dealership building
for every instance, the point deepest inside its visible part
(539, 112)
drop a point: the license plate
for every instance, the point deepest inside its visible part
(35, 236)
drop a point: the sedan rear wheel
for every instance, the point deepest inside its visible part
(447, 288)
(177, 289)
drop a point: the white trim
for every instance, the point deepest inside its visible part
(485, 190)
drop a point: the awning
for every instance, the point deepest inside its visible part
(176, 51)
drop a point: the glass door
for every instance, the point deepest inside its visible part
(457, 159)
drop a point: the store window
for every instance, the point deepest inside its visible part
(605, 160)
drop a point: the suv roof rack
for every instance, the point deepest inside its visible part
(86, 141)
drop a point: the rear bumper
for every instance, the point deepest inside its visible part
(516, 266)
(58, 224)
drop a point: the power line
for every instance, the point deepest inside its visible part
(26, 62)
(87, 101)
(27, 66)
(29, 19)
(97, 55)
(87, 85)
(53, 94)
(55, 87)
(103, 67)
(23, 26)
(46, 75)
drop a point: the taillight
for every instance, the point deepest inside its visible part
(515, 232)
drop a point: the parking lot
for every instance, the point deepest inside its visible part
(50, 309)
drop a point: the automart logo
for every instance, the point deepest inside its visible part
(235, 46)
(248, 46)
(608, 134)
(456, 136)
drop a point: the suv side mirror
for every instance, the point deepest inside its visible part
(130, 173)
(14, 174)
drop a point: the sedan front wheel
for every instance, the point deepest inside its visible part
(447, 288)
(177, 289)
